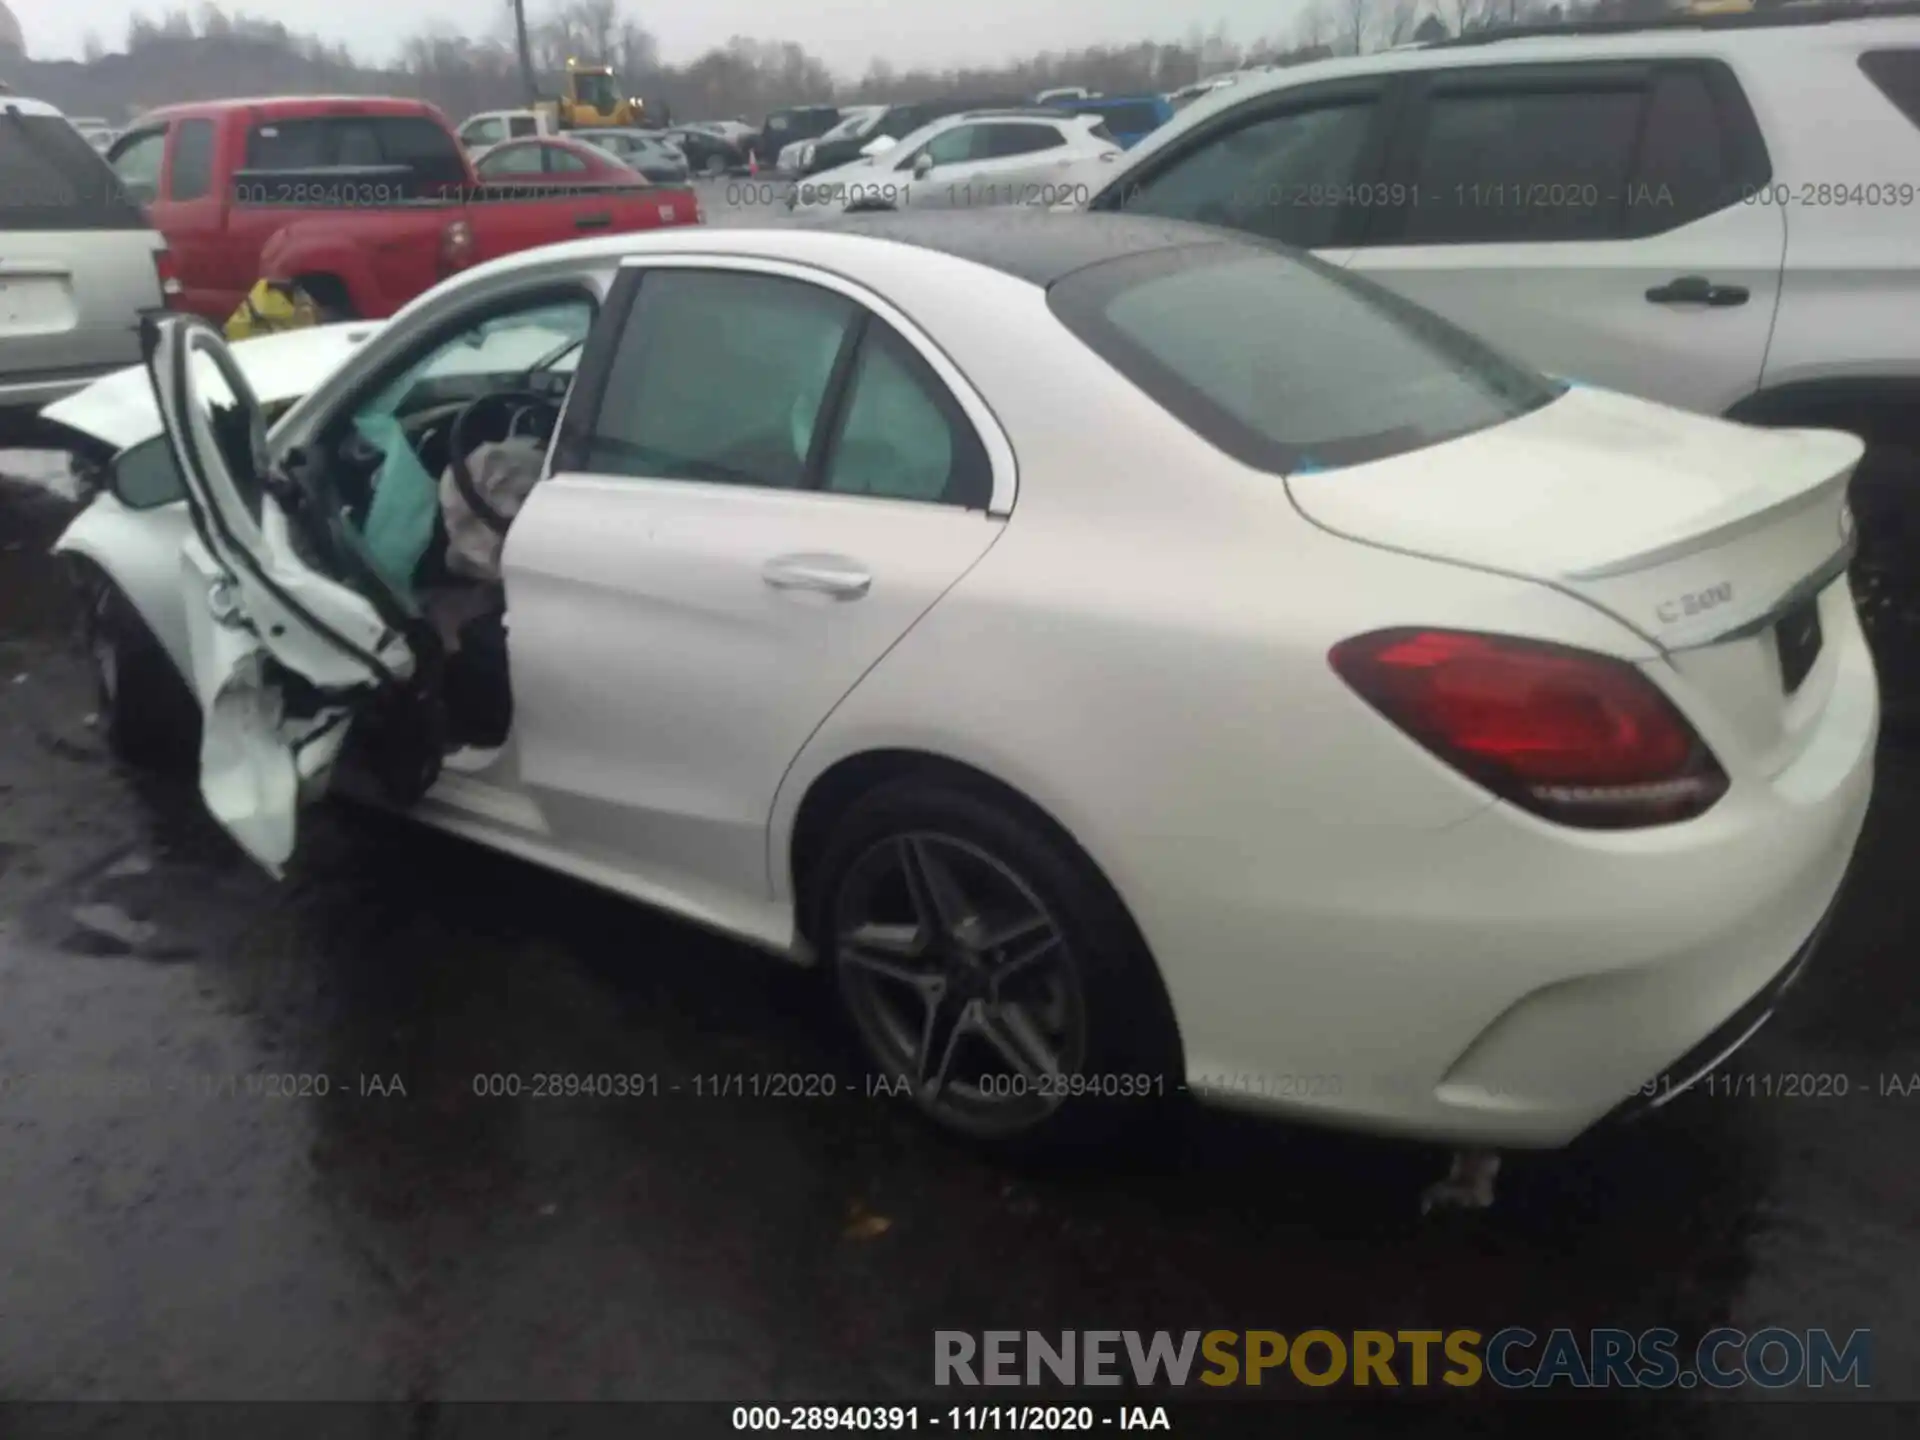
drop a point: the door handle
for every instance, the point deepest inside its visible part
(593, 222)
(833, 575)
(1697, 290)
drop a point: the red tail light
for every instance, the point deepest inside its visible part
(456, 246)
(1579, 738)
(169, 274)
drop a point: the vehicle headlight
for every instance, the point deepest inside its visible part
(806, 154)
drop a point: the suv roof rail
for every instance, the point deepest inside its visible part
(1003, 112)
(1769, 17)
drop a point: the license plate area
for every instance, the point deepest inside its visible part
(34, 304)
(1797, 638)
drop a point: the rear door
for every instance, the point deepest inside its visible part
(282, 655)
(1019, 156)
(77, 257)
(1594, 219)
(766, 475)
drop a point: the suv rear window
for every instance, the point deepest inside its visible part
(52, 179)
(1896, 74)
(1288, 364)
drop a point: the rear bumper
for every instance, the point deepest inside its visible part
(1721, 1044)
(1501, 982)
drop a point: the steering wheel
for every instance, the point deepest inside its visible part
(518, 405)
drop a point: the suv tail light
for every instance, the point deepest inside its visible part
(169, 273)
(456, 246)
(1579, 738)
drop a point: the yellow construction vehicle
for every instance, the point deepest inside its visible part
(590, 99)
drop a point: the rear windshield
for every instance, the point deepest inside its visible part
(1286, 363)
(424, 151)
(1896, 73)
(52, 179)
(1130, 118)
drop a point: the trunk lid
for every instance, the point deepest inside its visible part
(1722, 545)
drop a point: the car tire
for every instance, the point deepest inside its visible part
(1046, 961)
(868, 207)
(148, 716)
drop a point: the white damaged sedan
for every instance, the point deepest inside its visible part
(1130, 659)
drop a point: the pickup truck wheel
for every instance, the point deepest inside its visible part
(147, 714)
(329, 296)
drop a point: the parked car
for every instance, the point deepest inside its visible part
(1064, 92)
(1128, 118)
(554, 160)
(78, 264)
(791, 126)
(647, 151)
(1541, 666)
(978, 158)
(708, 152)
(895, 123)
(1662, 210)
(491, 127)
(1187, 94)
(856, 122)
(363, 203)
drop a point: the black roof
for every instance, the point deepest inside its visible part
(1029, 243)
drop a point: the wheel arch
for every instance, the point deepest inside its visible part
(1883, 409)
(110, 542)
(836, 789)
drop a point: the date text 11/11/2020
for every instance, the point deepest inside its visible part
(886, 1419)
(825, 1085)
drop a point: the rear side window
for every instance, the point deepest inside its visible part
(1287, 364)
(52, 179)
(429, 154)
(1524, 165)
(191, 175)
(719, 377)
(522, 125)
(901, 435)
(1005, 140)
(1594, 157)
(1896, 74)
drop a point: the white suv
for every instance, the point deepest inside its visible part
(1721, 213)
(78, 265)
(976, 158)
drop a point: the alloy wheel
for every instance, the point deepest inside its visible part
(961, 981)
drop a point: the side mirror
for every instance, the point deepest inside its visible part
(922, 165)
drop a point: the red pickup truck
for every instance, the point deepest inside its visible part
(364, 202)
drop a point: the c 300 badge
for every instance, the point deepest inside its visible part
(1698, 602)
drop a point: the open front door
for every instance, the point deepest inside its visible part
(282, 653)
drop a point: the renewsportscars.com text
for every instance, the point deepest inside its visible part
(1510, 1358)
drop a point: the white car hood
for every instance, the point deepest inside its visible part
(118, 409)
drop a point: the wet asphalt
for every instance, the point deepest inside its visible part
(168, 1232)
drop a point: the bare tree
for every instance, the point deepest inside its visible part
(596, 23)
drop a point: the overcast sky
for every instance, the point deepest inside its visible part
(845, 33)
